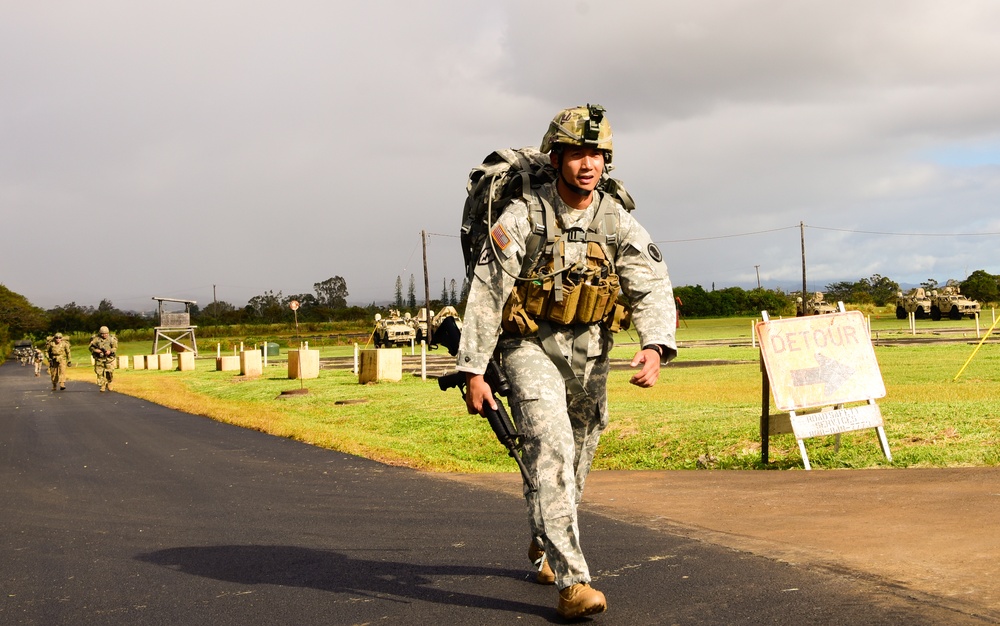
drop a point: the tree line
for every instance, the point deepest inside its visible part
(876, 290)
(328, 303)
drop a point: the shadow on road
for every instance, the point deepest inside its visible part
(331, 571)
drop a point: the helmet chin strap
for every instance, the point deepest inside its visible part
(580, 191)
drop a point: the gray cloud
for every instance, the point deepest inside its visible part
(273, 145)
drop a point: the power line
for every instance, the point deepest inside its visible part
(875, 232)
(774, 230)
(756, 232)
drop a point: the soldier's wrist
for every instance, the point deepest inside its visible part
(655, 347)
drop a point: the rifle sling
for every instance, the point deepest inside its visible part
(572, 372)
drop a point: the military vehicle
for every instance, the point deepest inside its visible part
(420, 322)
(916, 302)
(950, 301)
(818, 306)
(393, 330)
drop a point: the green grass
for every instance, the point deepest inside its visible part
(695, 417)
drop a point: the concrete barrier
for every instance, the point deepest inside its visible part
(227, 364)
(303, 363)
(166, 361)
(152, 362)
(185, 361)
(139, 362)
(381, 364)
(122, 363)
(250, 363)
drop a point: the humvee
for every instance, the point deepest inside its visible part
(393, 330)
(916, 302)
(419, 322)
(950, 301)
(818, 306)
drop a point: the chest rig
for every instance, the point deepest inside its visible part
(577, 295)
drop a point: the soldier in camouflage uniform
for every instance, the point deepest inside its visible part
(38, 356)
(103, 348)
(561, 415)
(60, 358)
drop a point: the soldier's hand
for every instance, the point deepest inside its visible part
(477, 393)
(650, 372)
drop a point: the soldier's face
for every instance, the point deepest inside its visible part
(582, 166)
(104, 335)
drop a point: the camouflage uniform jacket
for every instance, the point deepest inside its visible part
(638, 263)
(103, 349)
(57, 351)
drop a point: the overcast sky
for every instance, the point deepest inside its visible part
(160, 148)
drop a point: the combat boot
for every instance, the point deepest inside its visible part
(536, 555)
(109, 387)
(579, 600)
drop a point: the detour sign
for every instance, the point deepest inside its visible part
(819, 360)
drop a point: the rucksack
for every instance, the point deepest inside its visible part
(503, 176)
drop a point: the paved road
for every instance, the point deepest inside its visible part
(117, 511)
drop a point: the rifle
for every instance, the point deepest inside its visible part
(498, 419)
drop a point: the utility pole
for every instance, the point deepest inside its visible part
(757, 267)
(802, 231)
(427, 288)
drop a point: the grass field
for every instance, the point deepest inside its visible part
(696, 417)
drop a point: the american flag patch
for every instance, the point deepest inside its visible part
(500, 236)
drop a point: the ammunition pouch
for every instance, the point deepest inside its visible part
(581, 299)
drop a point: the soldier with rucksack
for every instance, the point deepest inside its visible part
(558, 246)
(60, 357)
(104, 347)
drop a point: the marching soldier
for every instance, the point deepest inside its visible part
(553, 333)
(60, 358)
(103, 348)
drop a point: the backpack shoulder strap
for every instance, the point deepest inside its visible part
(603, 228)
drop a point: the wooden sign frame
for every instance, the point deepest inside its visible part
(819, 362)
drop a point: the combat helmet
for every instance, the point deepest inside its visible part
(103, 330)
(580, 126)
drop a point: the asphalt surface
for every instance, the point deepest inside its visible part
(117, 511)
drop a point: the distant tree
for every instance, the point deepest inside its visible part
(444, 291)
(332, 292)
(843, 291)
(982, 286)
(464, 298)
(398, 300)
(105, 306)
(929, 285)
(879, 289)
(19, 315)
(70, 318)
(215, 313)
(775, 302)
(266, 308)
(411, 294)
(453, 296)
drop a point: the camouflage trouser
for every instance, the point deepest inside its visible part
(105, 370)
(57, 372)
(38, 367)
(560, 436)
